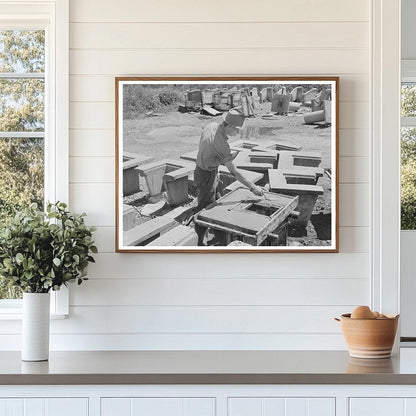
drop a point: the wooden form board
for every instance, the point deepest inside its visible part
(239, 213)
(180, 235)
(139, 234)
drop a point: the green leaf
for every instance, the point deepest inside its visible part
(56, 262)
(94, 249)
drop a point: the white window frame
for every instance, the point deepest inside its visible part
(408, 237)
(53, 17)
(385, 210)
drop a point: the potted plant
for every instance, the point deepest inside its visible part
(40, 252)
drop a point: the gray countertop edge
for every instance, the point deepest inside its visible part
(159, 379)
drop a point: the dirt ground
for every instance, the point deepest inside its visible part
(172, 134)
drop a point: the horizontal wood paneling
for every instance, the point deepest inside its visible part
(92, 169)
(92, 115)
(218, 35)
(354, 208)
(93, 143)
(101, 88)
(96, 199)
(194, 320)
(201, 319)
(230, 11)
(354, 169)
(146, 342)
(354, 239)
(221, 62)
(354, 142)
(105, 239)
(239, 301)
(251, 266)
(92, 88)
(221, 291)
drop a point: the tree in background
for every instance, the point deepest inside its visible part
(21, 109)
(408, 161)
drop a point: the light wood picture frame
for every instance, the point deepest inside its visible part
(283, 140)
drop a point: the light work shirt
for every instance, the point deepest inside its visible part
(214, 149)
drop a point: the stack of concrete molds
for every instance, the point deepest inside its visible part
(172, 174)
(321, 109)
(297, 174)
(130, 175)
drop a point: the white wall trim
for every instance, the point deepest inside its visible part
(385, 100)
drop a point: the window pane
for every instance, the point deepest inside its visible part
(408, 178)
(21, 110)
(22, 105)
(408, 99)
(22, 51)
(21, 182)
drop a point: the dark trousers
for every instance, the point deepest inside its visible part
(206, 184)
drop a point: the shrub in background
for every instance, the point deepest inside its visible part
(139, 99)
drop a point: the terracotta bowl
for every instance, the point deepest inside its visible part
(369, 338)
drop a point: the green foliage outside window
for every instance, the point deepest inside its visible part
(408, 161)
(21, 110)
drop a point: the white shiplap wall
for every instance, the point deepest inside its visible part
(181, 301)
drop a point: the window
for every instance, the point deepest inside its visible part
(408, 154)
(22, 124)
(33, 111)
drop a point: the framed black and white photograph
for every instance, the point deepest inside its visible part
(236, 164)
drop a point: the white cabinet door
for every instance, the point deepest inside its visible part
(382, 406)
(377, 407)
(160, 406)
(254, 406)
(44, 407)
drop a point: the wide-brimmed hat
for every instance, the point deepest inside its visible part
(235, 117)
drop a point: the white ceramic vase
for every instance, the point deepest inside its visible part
(35, 326)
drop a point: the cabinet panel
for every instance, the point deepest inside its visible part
(34, 407)
(318, 407)
(281, 406)
(119, 407)
(275, 407)
(44, 407)
(15, 407)
(377, 407)
(157, 406)
(67, 407)
(410, 406)
(245, 407)
(296, 407)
